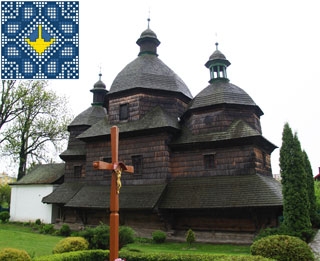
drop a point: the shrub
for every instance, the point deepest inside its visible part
(47, 229)
(159, 236)
(64, 230)
(99, 236)
(282, 247)
(38, 222)
(71, 244)
(4, 216)
(12, 254)
(126, 236)
(190, 237)
(83, 255)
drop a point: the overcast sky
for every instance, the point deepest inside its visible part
(273, 47)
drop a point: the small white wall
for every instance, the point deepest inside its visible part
(26, 203)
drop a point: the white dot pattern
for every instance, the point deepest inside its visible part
(59, 21)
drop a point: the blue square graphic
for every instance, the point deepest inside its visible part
(39, 40)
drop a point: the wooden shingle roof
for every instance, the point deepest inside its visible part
(223, 92)
(156, 118)
(149, 72)
(89, 116)
(63, 193)
(222, 192)
(131, 197)
(43, 174)
(238, 130)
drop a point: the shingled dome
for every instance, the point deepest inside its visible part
(221, 91)
(147, 71)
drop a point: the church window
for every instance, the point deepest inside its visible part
(77, 171)
(208, 161)
(124, 112)
(137, 163)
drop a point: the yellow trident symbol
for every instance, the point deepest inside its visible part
(40, 45)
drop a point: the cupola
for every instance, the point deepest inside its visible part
(99, 91)
(148, 42)
(217, 65)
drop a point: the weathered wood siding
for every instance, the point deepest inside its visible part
(155, 158)
(140, 104)
(228, 161)
(217, 120)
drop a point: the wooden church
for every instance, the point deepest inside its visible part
(200, 163)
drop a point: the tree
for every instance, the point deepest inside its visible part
(190, 237)
(314, 218)
(317, 194)
(5, 194)
(10, 106)
(43, 121)
(294, 187)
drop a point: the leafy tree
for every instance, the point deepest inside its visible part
(43, 121)
(294, 187)
(5, 194)
(190, 237)
(10, 106)
(314, 217)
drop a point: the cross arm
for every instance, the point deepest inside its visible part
(102, 165)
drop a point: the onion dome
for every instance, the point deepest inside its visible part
(221, 91)
(147, 71)
(99, 91)
(148, 42)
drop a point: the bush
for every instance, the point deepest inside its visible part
(83, 255)
(99, 236)
(38, 222)
(71, 244)
(190, 237)
(4, 216)
(159, 236)
(47, 229)
(12, 254)
(64, 230)
(282, 247)
(306, 235)
(126, 236)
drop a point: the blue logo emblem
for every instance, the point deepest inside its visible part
(40, 40)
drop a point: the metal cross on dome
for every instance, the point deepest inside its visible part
(117, 168)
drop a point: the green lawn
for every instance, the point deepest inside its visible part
(196, 248)
(23, 237)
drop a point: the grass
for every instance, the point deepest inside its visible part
(24, 237)
(196, 248)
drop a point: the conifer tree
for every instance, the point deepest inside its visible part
(314, 218)
(294, 187)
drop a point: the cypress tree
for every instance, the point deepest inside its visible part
(314, 218)
(294, 187)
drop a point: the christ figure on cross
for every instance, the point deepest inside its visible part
(117, 168)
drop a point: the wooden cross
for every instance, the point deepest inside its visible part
(117, 168)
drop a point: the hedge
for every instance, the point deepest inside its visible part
(102, 255)
(84, 255)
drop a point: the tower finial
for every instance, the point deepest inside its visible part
(149, 19)
(216, 36)
(100, 74)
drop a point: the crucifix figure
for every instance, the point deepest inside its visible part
(117, 168)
